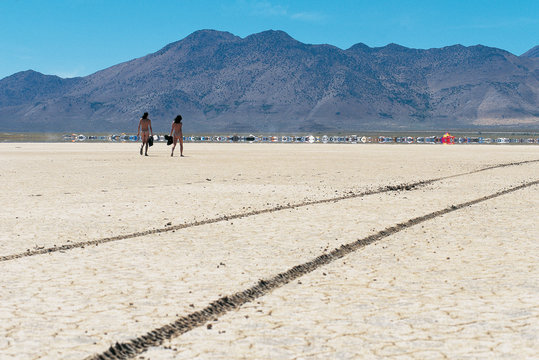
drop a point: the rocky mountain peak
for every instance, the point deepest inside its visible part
(532, 53)
(271, 82)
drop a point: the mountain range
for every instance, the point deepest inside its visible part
(270, 82)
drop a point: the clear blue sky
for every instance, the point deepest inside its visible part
(78, 37)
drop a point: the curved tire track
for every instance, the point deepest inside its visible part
(225, 304)
(350, 195)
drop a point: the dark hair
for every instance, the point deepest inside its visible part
(145, 116)
(178, 119)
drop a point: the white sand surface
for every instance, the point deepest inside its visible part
(464, 284)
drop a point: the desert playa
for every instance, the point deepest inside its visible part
(269, 251)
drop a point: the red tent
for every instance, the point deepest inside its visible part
(448, 139)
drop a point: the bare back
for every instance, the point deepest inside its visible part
(177, 129)
(144, 124)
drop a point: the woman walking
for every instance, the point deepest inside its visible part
(144, 131)
(176, 131)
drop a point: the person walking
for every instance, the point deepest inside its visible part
(144, 131)
(176, 131)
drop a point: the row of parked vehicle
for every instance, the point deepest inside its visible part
(355, 139)
(325, 139)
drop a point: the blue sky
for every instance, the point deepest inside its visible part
(78, 37)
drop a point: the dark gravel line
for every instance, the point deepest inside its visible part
(349, 195)
(225, 304)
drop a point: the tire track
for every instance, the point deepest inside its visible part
(349, 195)
(225, 304)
